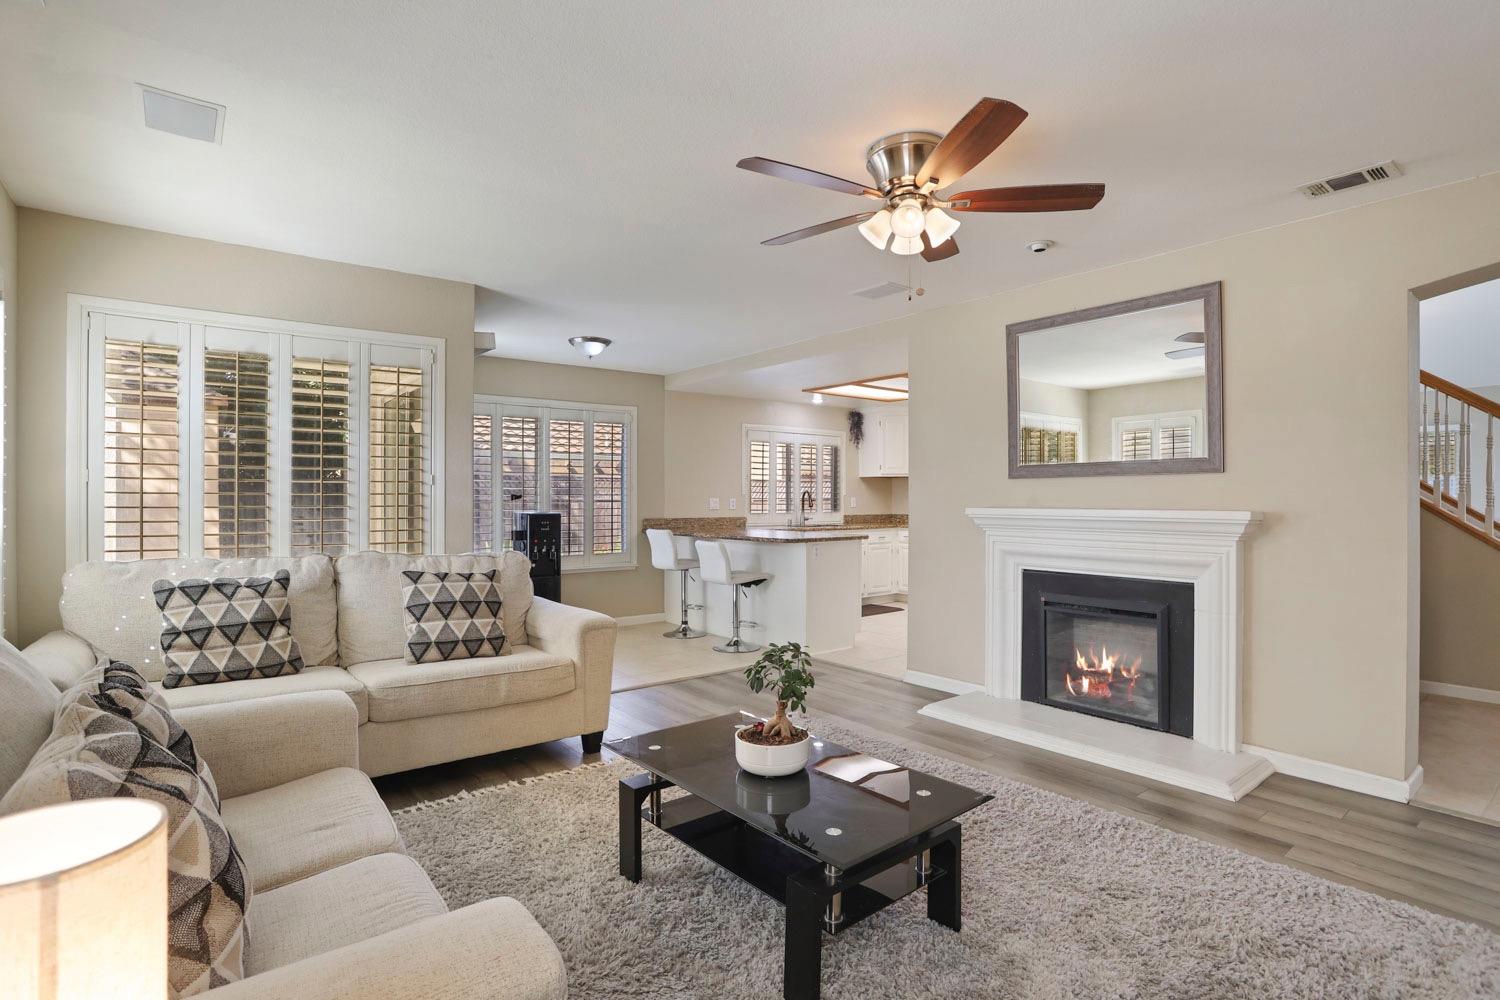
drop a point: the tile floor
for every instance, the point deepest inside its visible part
(644, 658)
(879, 646)
(1459, 750)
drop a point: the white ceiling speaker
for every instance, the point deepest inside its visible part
(184, 116)
(590, 347)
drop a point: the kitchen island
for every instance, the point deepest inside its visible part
(813, 597)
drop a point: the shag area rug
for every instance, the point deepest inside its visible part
(1061, 899)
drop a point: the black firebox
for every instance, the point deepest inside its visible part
(1117, 647)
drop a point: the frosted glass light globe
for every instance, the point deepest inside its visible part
(907, 218)
(906, 245)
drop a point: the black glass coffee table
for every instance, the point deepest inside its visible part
(842, 839)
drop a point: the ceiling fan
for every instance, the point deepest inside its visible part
(909, 167)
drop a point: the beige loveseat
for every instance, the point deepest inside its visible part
(338, 911)
(552, 682)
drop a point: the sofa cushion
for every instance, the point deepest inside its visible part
(93, 753)
(401, 690)
(371, 621)
(109, 605)
(310, 679)
(29, 700)
(310, 825)
(226, 629)
(451, 616)
(338, 907)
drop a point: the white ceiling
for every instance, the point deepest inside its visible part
(1116, 350)
(577, 160)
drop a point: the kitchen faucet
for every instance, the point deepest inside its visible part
(807, 505)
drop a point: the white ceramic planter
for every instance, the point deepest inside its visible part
(772, 762)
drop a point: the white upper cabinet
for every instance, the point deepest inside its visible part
(884, 449)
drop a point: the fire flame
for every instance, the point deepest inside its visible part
(1102, 677)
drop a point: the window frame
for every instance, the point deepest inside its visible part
(795, 436)
(1036, 420)
(1192, 419)
(193, 332)
(546, 410)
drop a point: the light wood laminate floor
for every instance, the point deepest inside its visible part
(1443, 863)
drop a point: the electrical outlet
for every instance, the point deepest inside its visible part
(733, 501)
(713, 503)
(852, 503)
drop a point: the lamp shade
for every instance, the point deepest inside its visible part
(940, 225)
(906, 245)
(83, 901)
(877, 228)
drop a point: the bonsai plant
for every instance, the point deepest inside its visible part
(785, 669)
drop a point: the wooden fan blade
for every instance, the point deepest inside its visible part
(818, 230)
(1030, 198)
(977, 134)
(942, 251)
(791, 172)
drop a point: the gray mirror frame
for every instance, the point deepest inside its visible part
(1213, 362)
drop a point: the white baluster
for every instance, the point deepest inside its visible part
(1423, 444)
(1465, 461)
(1444, 435)
(1489, 474)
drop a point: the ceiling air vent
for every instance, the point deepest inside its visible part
(184, 116)
(1343, 182)
(881, 290)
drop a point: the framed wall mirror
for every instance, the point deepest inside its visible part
(1128, 389)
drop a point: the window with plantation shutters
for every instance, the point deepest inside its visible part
(209, 435)
(141, 451)
(572, 458)
(397, 482)
(236, 454)
(1046, 439)
(321, 440)
(783, 466)
(1157, 436)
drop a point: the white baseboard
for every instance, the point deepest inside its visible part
(642, 619)
(1460, 691)
(1342, 777)
(941, 683)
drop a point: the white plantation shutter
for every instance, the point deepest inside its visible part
(577, 461)
(1158, 436)
(780, 465)
(1176, 442)
(1135, 443)
(760, 476)
(828, 480)
(236, 454)
(207, 439)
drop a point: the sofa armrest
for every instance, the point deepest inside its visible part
(492, 950)
(263, 742)
(62, 657)
(585, 637)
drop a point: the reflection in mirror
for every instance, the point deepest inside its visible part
(1129, 388)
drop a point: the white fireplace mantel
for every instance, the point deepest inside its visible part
(1189, 546)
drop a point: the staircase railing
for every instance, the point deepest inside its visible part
(1456, 456)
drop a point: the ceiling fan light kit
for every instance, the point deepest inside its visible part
(910, 167)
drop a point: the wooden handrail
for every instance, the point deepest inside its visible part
(1461, 394)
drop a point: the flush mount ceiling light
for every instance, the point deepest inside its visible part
(590, 347)
(184, 116)
(909, 167)
(880, 389)
(1183, 353)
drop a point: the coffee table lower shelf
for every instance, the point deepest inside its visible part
(818, 898)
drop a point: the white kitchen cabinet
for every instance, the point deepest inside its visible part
(884, 451)
(901, 562)
(883, 564)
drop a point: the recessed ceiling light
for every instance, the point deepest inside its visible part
(184, 116)
(817, 399)
(590, 347)
(879, 389)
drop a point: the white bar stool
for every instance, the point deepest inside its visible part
(714, 567)
(675, 552)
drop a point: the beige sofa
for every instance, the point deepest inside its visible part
(553, 681)
(338, 910)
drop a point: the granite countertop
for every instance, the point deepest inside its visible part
(735, 529)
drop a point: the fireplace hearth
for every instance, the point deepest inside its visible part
(1119, 648)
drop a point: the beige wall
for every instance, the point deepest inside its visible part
(704, 449)
(1318, 322)
(8, 257)
(1104, 405)
(1460, 590)
(63, 254)
(619, 593)
(900, 489)
(1050, 400)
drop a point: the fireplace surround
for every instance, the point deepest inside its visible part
(1118, 648)
(1200, 550)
